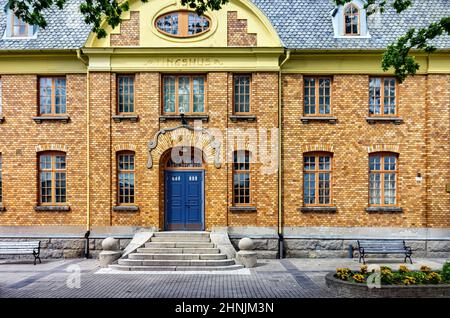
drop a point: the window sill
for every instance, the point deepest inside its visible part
(236, 118)
(52, 208)
(2, 119)
(243, 209)
(126, 208)
(384, 209)
(204, 118)
(374, 120)
(329, 119)
(40, 119)
(318, 209)
(120, 118)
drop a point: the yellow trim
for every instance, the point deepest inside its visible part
(44, 63)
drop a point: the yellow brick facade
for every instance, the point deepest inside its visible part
(422, 140)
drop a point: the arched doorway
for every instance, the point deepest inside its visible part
(184, 189)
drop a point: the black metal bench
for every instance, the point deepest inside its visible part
(383, 247)
(22, 248)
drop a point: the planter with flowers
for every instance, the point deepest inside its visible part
(386, 283)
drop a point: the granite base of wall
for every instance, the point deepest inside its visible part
(56, 248)
(322, 248)
(339, 248)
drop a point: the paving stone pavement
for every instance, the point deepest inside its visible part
(288, 278)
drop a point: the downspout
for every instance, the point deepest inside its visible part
(88, 166)
(280, 158)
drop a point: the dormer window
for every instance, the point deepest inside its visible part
(19, 28)
(16, 28)
(351, 20)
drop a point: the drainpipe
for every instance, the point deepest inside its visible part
(88, 165)
(280, 158)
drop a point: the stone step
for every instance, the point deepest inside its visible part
(169, 263)
(181, 234)
(147, 256)
(151, 250)
(175, 268)
(179, 244)
(200, 239)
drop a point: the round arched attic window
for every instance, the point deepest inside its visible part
(183, 24)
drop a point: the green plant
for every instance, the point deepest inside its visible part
(446, 271)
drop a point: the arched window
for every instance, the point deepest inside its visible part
(241, 178)
(125, 177)
(52, 178)
(317, 171)
(351, 20)
(183, 24)
(383, 171)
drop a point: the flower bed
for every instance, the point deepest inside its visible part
(388, 283)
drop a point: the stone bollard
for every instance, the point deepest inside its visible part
(111, 252)
(246, 256)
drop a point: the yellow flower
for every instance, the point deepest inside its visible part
(343, 273)
(408, 280)
(434, 278)
(364, 269)
(359, 278)
(425, 269)
(403, 269)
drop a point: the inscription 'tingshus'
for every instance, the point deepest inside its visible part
(185, 62)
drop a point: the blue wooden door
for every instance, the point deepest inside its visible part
(184, 200)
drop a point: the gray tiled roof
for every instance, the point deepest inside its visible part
(307, 24)
(301, 24)
(65, 30)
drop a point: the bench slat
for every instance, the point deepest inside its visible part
(9, 252)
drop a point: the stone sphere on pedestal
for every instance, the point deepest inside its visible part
(110, 244)
(246, 244)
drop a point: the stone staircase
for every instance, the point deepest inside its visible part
(177, 251)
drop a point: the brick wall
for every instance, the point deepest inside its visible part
(237, 32)
(129, 32)
(350, 139)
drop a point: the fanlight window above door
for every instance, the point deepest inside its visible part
(183, 24)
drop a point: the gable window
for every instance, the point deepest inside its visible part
(18, 29)
(183, 24)
(351, 20)
(317, 170)
(52, 95)
(184, 94)
(383, 179)
(241, 94)
(317, 96)
(383, 96)
(125, 94)
(241, 178)
(126, 177)
(52, 178)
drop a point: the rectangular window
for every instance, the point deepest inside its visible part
(317, 96)
(125, 94)
(241, 93)
(383, 180)
(317, 169)
(383, 96)
(52, 178)
(126, 178)
(184, 94)
(241, 178)
(19, 28)
(52, 96)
